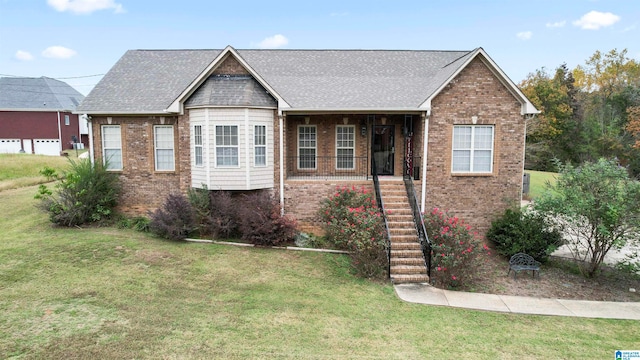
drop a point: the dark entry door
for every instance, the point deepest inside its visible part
(383, 148)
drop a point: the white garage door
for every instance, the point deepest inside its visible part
(11, 146)
(46, 146)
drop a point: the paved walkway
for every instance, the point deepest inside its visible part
(429, 295)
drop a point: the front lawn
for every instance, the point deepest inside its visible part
(538, 182)
(106, 293)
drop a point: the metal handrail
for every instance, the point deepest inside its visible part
(418, 220)
(376, 186)
(326, 167)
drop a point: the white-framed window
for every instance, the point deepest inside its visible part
(345, 147)
(472, 149)
(307, 142)
(66, 120)
(197, 143)
(112, 147)
(260, 145)
(226, 145)
(163, 147)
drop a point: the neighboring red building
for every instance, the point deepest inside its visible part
(36, 116)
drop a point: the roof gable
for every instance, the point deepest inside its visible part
(38, 94)
(463, 62)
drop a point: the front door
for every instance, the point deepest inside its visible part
(383, 148)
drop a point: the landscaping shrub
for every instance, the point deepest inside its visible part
(200, 201)
(223, 218)
(260, 220)
(87, 193)
(455, 251)
(524, 231)
(353, 222)
(175, 219)
(137, 223)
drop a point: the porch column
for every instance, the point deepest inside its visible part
(425, 142)
(281, 150)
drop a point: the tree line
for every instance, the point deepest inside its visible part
(587, 113)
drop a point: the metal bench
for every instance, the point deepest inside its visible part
(523, 262)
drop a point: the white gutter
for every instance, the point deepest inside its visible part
(90, 125)
(59, 133)
(425, 142)
(281, 150)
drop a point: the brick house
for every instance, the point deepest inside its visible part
(301, 122)
(36, 116)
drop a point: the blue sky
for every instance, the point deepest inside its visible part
(75, 39)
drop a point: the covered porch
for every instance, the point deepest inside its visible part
(345, 146)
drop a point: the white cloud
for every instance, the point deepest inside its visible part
(85, 6)
(274, 41)
(23, 55)
(524, 35)
(557, 24)
(594, 20)
(58, 52)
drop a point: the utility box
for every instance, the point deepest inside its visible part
(526, 180)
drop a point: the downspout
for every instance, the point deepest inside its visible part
(247, 150)
(90, 125)
(281, 150)
(425, 142)
(59, 133)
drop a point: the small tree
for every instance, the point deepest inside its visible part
(598, 205)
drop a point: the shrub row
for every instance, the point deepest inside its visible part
(254, 217)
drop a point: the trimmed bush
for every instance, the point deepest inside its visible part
(524, 231)
(455, 251)
(200, 201)
(223, 218)
(175, 220)
(87, 193)
(261, 223)
(353, 222)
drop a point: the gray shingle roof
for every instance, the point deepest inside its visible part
(231, 90)
(41, 93)
(148, 81)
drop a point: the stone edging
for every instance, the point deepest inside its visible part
(295, 248)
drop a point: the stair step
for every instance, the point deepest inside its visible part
(406, 239)
(407, 261)
(408, 269)
(409, 278)
(417, 253)
(402, 231)
(405, 246)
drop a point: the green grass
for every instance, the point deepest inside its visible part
(107, 293)
(19, 170)
(538, 181)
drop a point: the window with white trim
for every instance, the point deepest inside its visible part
(472, 149)
(260, 145)
(66, 120)
(163, 147)
(226, 145)
(112, 147)
(197, 144)
(345, 147)
(307, 146)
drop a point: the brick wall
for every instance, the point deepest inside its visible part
(303, 197)
(477, 199)
(143, 188)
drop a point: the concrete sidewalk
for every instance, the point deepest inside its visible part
(429, 295)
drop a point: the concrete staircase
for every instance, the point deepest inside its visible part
(407, 261)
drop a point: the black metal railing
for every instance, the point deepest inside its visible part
(412, 168)
(376, 186)
(327, 167)
(418, 220)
